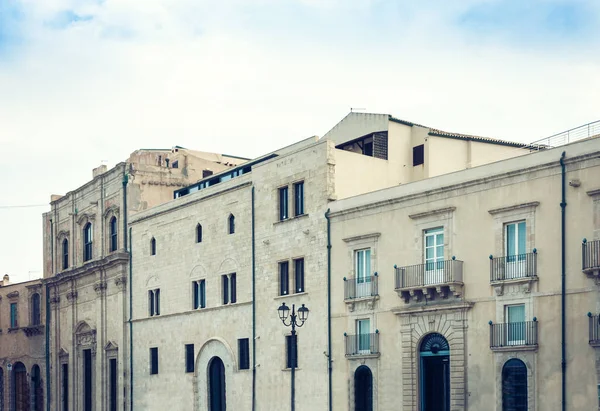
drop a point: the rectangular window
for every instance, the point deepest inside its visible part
(175, 164)
(363, 336)
(189, 358)
(299, 275)
(198, 294)
(515, 323)
(299, 198)
(283, 203)
(14, 316)
(225, 286)
(418, 155)
(434, 256)
(284, 280)
(363, 272)
(154, 302)
(113, 381)
(65, 387)
(292, 351)
(154, 360)
(233, 288)
(87, 380)
(515, 241)
(244, 353)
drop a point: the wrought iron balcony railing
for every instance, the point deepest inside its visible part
(518, 334)
(590, 257)
(361, 287)
(429, 274)
(362, 344)
(594, 324)
(512, 267)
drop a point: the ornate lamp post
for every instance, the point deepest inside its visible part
(296, 320)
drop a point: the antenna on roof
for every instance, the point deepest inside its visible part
(353, 109)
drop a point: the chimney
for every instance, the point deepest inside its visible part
(5, 281)
(99, 170)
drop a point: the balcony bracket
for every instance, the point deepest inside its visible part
(593, 272)
(361, 303)
(525, 284)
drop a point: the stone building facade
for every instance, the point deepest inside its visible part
(22, 345)
(86, 268)
(446, 292)
(211, 267)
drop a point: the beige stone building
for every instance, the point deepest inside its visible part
(86, 269)
(22, 345)
(447, 292)
(211, 267)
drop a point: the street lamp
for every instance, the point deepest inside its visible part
(296, 320)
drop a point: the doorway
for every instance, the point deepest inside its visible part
(363, 389)
(216, 385)
(435, 373)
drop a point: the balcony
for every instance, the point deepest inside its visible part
(362, 289)
(590, 258)
(594, 337)
(430, 280)
(520, 270)
(521, 336)
(362, 345)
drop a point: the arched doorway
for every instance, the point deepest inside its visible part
(434, 373)
(216, 385)
(514, 385)
(37, 398)
(363, 389)
(20, 387)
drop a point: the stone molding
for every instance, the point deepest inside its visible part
(430, 213)
(362, 237)
(522, 206)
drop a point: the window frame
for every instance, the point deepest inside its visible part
(65, 253)
(154, 302)
(362, 274)
(299, 206)
(283, 195)
(114, 234)
(36, 312)
(198, 233)
(14, 315)
(199, 294)
(284, 278)
(153, 246)
(244, 353)
(433, 263)
(520, 249)
(88, 242)
(189, 358)
(299, 276)
(363, 338)
(231, 224)
(153, 361)
(418, 155)
(288, 343)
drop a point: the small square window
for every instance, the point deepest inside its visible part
(418, 155)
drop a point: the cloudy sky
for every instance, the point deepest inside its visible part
(84, 81)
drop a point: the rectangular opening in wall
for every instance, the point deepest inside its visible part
(225, 287)
(299, 198)
(189, 358)
(299, 275)
(87, 380)
(283, 203)
(233, 288)
(244, 353)
(284, 287)
(291, 343)
(65, 387)
(113, 383)
(418, 155)
(154, 360)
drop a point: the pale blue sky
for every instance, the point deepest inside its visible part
(82, 81)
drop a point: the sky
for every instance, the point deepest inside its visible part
(87, 82)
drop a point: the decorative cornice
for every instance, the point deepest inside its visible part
(14, 294)
(121, 282)
(63, 353)
(71, 296)
(84, 217)
(90, 267)
(33, 330)
(429, 309)
(111, 346)
(113, 209)
(500, 210)
(362, 237)
(432, 212)
(55, 300)
(100, 287)
(594, 193)
(62, 234)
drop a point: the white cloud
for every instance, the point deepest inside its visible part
(244, 78)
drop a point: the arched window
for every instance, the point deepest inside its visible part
(514, 385)
(434, 358)
(153, 246)
(20, 388)
(37, 393)
(35, 309)
(363, 389)
(65, 254)
(231, 224)
(198, 233)
(216, 385)
(87, 242)
(113, 234)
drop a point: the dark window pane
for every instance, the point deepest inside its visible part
(290, 351)
(14, 320)
(87, 380)
(283, 203)
(198, 233)
(299, 274)
(232, 283)
(35, 309)
(195, 295)
(113, 234)
(202, 294)
(157, 298)
(153, 247)
(418, 155)
(151, 303)
(231, 224)
(225, 285)
(65, 253)
(154, 360)
(65, 387)
(299, 198)
(189, 358)
(113, 391)
(244, 353)
(284, 278)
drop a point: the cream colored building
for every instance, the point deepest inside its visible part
(258, 233)
(22, 345)
(86, 271)
(446, 292)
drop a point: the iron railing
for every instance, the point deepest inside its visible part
(513, 334)
(569, 136)
(513, 266)
(594, 321)
(360, 287)
(590, 254)
(421, 275)
(362, 344)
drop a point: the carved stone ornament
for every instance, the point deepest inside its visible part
(14, 294)
(121, 282)
(72, 296)
(55, 300)
(100, 287)
(63, 353)
(86, 337)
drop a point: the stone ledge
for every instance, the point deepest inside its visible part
(527, 282)
(515, 348)
(362, 356)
